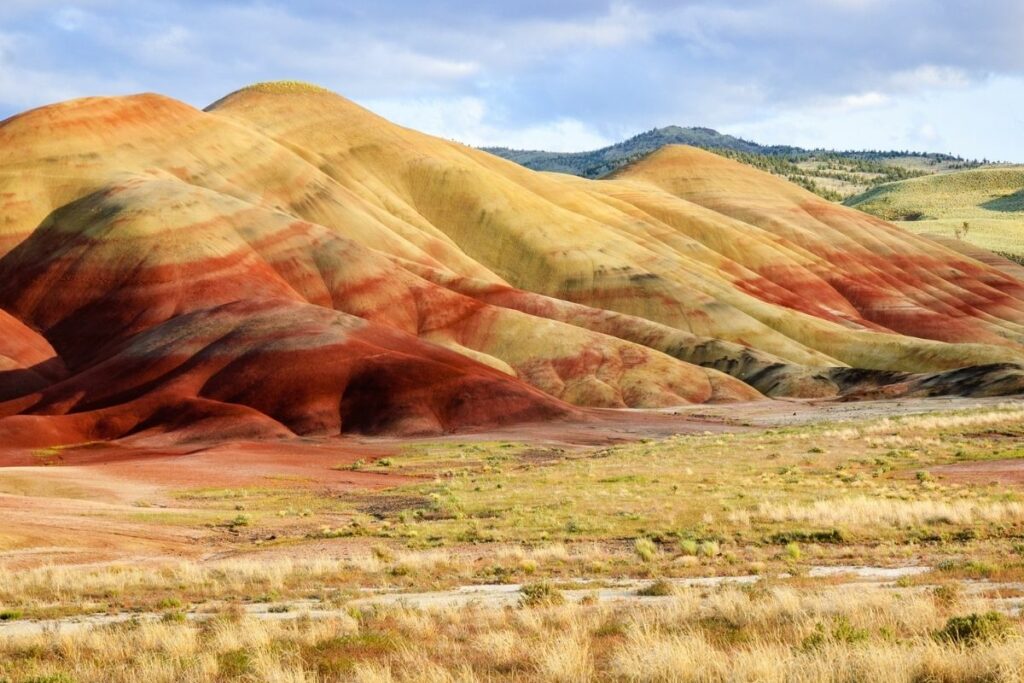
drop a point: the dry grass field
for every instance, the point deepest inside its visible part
(767, 633)
(580, 560)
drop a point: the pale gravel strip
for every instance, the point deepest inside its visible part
(491, 596)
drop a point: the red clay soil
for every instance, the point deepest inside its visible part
(1009, 471)
(81, 504)
(228, 463)
(272, 368)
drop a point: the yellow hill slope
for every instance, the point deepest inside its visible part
(776, 269)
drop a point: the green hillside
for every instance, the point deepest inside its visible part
(990, 201)
(831, 174)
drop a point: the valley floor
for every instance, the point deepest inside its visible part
(783, 540)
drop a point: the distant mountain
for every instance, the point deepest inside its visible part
(832, 174)
(603, 161)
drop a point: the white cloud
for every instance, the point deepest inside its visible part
(468, 120)
(623, 24)
(557, 73)
(928, 133)
(24, 87)
(933, 120)
(863, 100)
(173, 46)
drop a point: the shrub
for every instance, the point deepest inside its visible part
(842, 632)
(382, 552)
(240, 520)
(975, 628)
(708, 549)
(645, 549)
(235, 664)
(845, 632)
(947, 594)
(822, 536)
(793, 552)
(10, 614)
(336, 657)
(540, 595)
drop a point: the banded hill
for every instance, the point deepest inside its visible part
(287, 263)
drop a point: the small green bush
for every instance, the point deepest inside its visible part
(240, 520)
(975, 628)
(845, 632)
(842, 632)
(235, 664)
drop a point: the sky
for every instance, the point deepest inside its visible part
(563, 75)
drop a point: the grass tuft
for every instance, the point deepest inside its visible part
(541, 594)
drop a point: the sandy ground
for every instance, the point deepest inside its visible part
(115, 501)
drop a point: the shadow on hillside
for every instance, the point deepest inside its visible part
(1009, 203)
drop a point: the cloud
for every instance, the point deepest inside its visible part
(975, 121)
(930, 76)
(540, 73)
(468, 120)
(863, 100)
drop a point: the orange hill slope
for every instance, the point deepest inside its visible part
(289, 263)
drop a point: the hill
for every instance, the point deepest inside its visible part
(990, 201)
(831, 174)
(287, 263)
